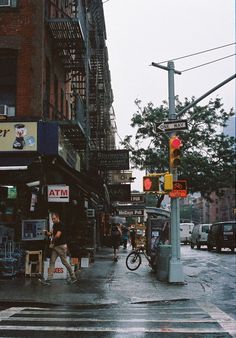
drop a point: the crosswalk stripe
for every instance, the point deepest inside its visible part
(128, 313)
(182, 320)
(215, 320)
(107, 329)
(4, 314)
(226, 322)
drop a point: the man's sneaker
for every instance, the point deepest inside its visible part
(73, 280)
(45, 282)
(116, 259)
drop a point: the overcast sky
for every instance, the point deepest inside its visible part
(143, 31)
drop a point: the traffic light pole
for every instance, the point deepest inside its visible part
(176, 274)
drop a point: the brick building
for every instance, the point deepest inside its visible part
(55, 109)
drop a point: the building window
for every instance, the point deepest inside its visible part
(8, 71)
(8, 4)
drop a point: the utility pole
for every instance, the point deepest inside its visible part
(176, 274)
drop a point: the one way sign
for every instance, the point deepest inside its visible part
(171, 125)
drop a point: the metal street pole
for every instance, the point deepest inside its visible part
(176, 274)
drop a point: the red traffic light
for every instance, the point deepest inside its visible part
(175, 144)
(150, 183)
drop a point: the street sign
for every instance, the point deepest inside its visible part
(179, 189)
(171, 125)
(125, 177)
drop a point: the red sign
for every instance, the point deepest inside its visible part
(179, 189)
(58, 193)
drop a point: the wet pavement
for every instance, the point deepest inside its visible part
(103, 282)
(111, 301)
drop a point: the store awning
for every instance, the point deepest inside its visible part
(15, 163)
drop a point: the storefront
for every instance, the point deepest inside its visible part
(40, 172)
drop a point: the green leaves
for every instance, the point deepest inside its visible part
(208, 156)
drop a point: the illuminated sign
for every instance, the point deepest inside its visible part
(58, 193)
(18, 136)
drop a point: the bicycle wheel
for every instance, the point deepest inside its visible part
(133, 261)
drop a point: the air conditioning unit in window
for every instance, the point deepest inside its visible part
(5, 3)
(3, 109)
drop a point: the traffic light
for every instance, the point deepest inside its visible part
(175, 144)
(168, 182)
(150, 183)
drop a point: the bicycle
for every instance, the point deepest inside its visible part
(134, 259)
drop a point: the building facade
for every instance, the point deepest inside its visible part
(55, 113)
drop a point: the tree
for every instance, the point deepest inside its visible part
(208, 156)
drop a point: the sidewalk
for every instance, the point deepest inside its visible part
(103, 282)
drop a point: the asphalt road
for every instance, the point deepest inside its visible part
(216, 272)
(163, 319)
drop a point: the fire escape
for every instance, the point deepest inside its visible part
(102, 126)
(66, 23)
(78, 32)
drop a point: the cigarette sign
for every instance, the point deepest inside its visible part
(58, 193)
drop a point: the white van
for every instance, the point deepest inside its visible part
(199, 235)
(185, 232)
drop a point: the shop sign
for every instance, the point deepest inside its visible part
(58, 193)
(137, 198)
(18, 136)
(111, 159)
(130, 212)
(119, 192)
(125, 177)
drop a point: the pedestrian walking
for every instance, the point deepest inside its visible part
(125, 236)
(58, 246)
(132, 235)
(116, 234)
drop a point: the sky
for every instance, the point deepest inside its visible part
(140, 32)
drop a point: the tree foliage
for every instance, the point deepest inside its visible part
(208, 155)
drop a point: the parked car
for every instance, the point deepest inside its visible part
(199, 235)
(185, 232)
(222, 235)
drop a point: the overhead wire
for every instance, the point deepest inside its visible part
(197, 53)
(207, 63)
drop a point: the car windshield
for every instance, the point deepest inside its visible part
(205, 228)
(228, 227)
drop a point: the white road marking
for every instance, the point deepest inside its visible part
(106, 329)
(181, 320)
(225, 321)
(5, 314)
